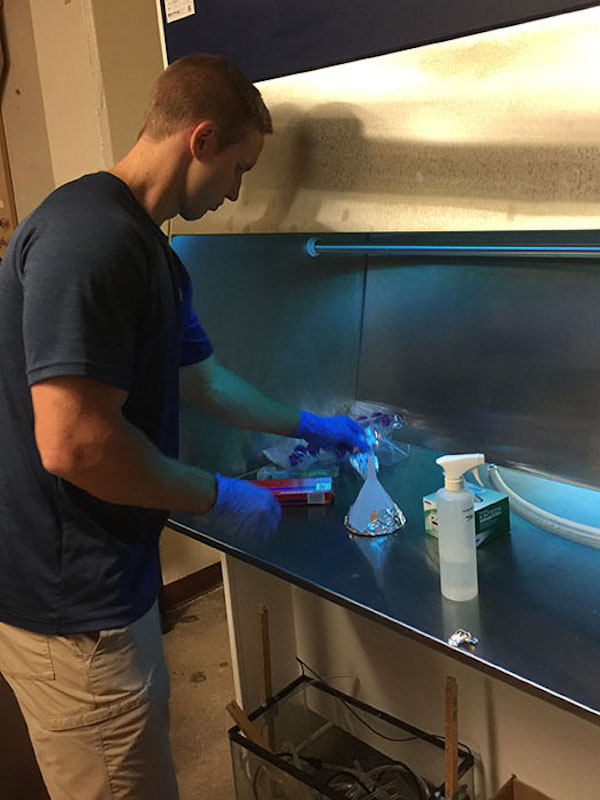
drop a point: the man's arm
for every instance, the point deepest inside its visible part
(223, 394)
(82, 436)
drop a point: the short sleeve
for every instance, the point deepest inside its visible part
(82, 297)
(195, 344)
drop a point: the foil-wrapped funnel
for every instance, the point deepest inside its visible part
(374, 513)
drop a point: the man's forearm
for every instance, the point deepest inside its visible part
(128, 469)
(232, 399)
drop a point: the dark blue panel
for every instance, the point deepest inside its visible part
(269, 38)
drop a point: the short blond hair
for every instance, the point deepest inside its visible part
(202, 86)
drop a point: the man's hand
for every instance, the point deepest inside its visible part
(243, 510)
(330, 433)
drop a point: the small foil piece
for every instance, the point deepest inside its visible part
(382, 522)
(462, 638)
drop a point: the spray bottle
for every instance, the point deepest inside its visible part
(456, 528)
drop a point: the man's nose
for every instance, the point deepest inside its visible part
(234, 192)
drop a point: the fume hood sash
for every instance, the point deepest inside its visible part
(267, 39)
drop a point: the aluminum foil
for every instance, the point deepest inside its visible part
(462, 638)
(382, 521)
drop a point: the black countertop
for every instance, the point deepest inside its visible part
(537, 615)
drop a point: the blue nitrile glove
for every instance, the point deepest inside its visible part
(243, 511)
(330, 433)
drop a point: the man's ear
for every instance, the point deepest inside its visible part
(204, 139)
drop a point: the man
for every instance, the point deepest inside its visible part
(97, 331)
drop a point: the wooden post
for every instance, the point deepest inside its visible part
(8, 210)
(265, 662)
(451, 738)
(265, 653)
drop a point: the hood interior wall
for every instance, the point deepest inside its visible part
(497, 355)
(287, 322)
(492, 355)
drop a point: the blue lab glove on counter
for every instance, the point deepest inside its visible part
(242, 511)
(330, 433)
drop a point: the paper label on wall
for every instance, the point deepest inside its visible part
(178, 9)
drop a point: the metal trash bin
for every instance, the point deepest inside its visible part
(327, 744)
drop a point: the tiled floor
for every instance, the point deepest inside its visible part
(199, 664)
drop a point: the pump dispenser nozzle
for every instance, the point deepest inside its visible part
(455, 466)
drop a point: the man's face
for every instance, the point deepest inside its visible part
(218, 175)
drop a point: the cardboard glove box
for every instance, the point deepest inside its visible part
(514, 789)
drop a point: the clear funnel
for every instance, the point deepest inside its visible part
(374, 513)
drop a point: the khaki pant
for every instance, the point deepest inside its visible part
(96, 707)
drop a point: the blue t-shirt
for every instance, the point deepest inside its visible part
(89, 286)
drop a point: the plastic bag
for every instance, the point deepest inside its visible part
(293, 455)
(383, 422)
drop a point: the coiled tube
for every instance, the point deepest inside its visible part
(559, 526)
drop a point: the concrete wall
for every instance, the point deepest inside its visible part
(23, 111)
(79, 75)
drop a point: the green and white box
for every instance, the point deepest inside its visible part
(491, 514)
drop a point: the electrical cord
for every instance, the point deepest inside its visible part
(354, 785)
(394, 780)
(349, 787)
(318, 765)
(351, 710)
(402, 782)
(313, 762)
(439, 738)
(413, 782)
(422, 792)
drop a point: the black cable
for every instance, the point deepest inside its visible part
(354, 777)
(371, 792)
(352, 711)
(318, 765)
(364, 722)
(338, 770)
(370, 727)
(441, 739)
(414, 787)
